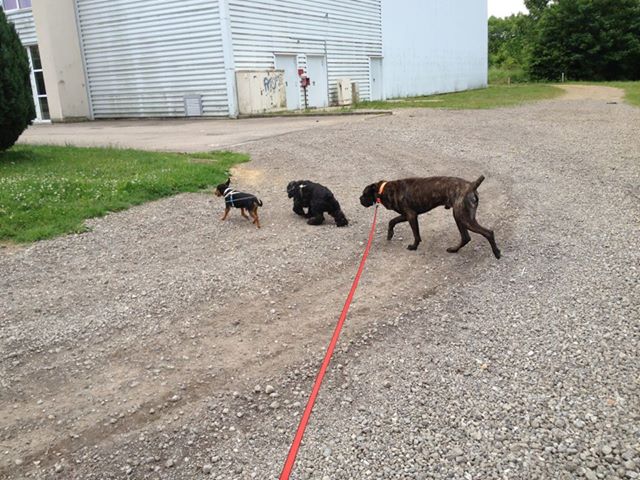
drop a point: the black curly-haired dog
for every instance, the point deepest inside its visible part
(317, 199)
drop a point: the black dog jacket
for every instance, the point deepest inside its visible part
(239, 199)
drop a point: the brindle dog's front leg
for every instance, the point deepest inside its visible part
(412, 217)
(392, 223)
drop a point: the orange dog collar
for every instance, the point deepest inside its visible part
(381, 190)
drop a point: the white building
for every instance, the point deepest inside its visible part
(145, 58)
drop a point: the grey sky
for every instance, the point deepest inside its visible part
(504, 8)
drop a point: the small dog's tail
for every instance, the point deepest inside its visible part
(474, 185)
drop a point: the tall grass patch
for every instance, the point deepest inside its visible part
(506, 76)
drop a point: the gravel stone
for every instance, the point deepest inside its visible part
(523, 367)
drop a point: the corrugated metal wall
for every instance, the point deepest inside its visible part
(347, 32)
(142, 57)
(433, 46)
(25, 26)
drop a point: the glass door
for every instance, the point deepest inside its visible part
(37, 84)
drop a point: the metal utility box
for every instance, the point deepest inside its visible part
(355, 92)
(344, 91)
(260, 91)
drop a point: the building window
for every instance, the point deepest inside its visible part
(15, 4)
(37, 83)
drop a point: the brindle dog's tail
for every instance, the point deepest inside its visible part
(474, 185)
(259, 202)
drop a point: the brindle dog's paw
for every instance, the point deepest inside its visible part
(452, 249)
(412, 247)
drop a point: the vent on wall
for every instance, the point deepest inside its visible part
(193, 105)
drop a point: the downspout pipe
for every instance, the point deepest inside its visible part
(229, 61)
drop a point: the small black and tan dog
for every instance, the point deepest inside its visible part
(241, 200)
(317, 199)
(412, 196)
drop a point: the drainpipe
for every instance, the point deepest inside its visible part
(229, 62)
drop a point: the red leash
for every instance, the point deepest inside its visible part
(293, 451)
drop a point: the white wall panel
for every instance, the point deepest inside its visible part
(143, 57)
(346, 31)
(25, 26)
(433, 46)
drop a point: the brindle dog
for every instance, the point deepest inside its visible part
(412, 196)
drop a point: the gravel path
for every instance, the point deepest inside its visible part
(164, 344)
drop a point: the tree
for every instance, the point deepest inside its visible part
(536, 7)
(16, 100)
(509, 40)
(588, 40)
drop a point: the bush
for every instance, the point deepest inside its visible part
(16, 100)
(504, 75)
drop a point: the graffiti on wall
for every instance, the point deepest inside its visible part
(270, 84)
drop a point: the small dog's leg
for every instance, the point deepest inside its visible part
(298, 209)
(413, 221)
(254, 213)
(336, 212)
(242, 212)
(392, 224)
(226, 213)
(464, 236)
(474, 226)
(339, 217)
(317, 219)
(315, 214)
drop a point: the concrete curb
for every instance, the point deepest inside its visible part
(318, 114)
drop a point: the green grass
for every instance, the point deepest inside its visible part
(491, 97)
(631, 91)
(46, 191)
